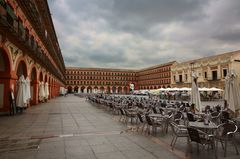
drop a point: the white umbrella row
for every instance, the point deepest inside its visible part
(184, 89)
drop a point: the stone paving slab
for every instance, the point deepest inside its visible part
(72, 128)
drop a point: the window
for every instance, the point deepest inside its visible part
(224, 72)
(205, 74)
(180, 78)
(214, 75)
(186, 77)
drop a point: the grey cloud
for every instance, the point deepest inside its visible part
(139, 33)
(141, 15)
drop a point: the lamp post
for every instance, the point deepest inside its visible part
(191, 75)
(192, 70)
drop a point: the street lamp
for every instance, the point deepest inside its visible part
(192, 70)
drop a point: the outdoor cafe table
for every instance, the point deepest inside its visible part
(201, 125)
(210, 127)
(160, 116)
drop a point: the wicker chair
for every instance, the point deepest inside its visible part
(226, 133)
(200, 137)
(153, 124)
(142, 122)
(178, 131)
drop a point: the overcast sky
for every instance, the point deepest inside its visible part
(140, 33)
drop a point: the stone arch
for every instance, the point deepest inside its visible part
(102, 89)
(95, 89)
(21, 69)
(89, 89)
(83, 89)
(33, 85)
(125, 90)
(114, 89)
(76, 89)
(70, 89)
(119, 90)
(40, 77)
(108, 89)
(5, 66)
(45, 78)
(5, 82)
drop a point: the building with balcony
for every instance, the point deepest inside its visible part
(117, 81)
(211, 71)
(29, 47)
(155, 77)
(91, 80)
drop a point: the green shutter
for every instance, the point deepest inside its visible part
(21, 27)
(11, 12)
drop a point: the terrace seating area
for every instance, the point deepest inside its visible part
(155, 116)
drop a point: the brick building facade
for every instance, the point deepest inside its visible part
(29, 47)
(117, 81)
(91, 80)
(154, 77)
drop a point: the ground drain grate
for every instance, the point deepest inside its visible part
(9, 145)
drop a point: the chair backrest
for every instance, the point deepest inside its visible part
(140, 118)
(161, 111)
(174, 127)
(122, 111)
(225, 115)
(148, 119)
(178, 116)
(227, 127)
(190, 117)
(194, 135)
(215, 114)
(154, 110)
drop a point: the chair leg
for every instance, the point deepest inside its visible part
(143, 127)
(225, 150)
(235, 145)
(172, 140)
(197, 148)
(174, 143)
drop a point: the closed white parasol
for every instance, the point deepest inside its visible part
(195, 95)
(41, 92)
(46, 90)
(27, 90)
(231, 92)
(21, 94)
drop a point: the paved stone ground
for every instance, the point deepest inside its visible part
(70, 127)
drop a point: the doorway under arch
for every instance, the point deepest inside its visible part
(22, 69)
(5, 76)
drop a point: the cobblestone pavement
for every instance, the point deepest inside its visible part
(72, 128)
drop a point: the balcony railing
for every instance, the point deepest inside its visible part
(8, 21)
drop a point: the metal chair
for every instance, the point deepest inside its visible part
(200, 137)
(142, 122)
(225, 133)
(153, 124)
(122, 115)
(131, 115)
(178, 131)
(190, 117)
(215, 117)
